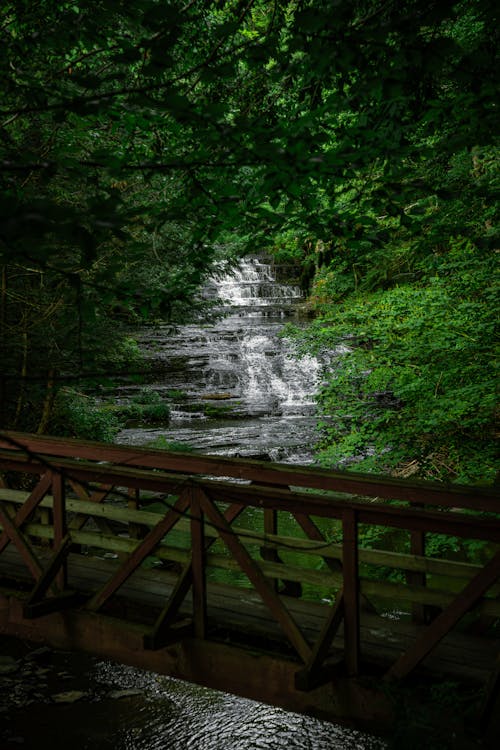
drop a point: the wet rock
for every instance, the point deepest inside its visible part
(126, 693)
(8, 665)
(42, 651)
(70, 696)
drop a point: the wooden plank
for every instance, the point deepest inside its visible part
(141, 551)
(417, 547)
(335, 565)
(60, 526)
(371, 588)
(446, 620)
(21, 542)
(96, 497)
(64, 600)
(401, 592)
(452, 523)
(310, 677)
(29, 505)
(270, 553)
(252, 571)
(351, 592)
(260, 472)
(159, 635)
(199, 582)
(458, 656)
(331, 552)
(45, 581)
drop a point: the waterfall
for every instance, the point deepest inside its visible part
(243, 389)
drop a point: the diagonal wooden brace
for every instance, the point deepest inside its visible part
(448, 618)
(160, 634)
(28, 506)
(98, 496)
(261, 584)
(314, 533)
(145, 548)
(312, 675)
(47, 578)
(21, 542)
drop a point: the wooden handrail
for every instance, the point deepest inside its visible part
(196, 488)
(484, 499)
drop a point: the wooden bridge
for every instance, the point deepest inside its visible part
(249, 577)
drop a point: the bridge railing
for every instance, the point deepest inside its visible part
(285, 532)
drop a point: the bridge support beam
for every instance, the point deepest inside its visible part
(220, 666)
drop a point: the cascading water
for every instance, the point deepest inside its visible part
(243, 391)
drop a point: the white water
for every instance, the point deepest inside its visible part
(240, 365)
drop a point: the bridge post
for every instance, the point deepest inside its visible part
(351, 591)
(270, 527)
(198, 560)
(60, 525)
(417, 547)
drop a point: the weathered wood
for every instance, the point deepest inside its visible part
(311, 676)
(29, 505)
(140, 553)
(417, 547)
(198, 566)
(21, 542)
(269, 552)
(136, 531)
(49, 574)
(404, 593)
(98, 496)
(259, 472)
(330, 552)
(447, 619)
(335, 565)
(351, 592)
(160, 635)
(347, 497)
(254, 573)
(60, 527)
(453, 523)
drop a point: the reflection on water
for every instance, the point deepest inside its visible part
(190, 717)
(77, 701)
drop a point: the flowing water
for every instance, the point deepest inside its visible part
(235, 388)
(240, 389)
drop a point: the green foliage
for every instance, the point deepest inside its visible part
(146, 406)
(416, 387)
(171, 445)
(358, 140)
(218, 412)
(77, 415)
(176, 395)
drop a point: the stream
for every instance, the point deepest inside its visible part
(240, 389)
(234, 387)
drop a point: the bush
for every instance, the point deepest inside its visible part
(77, 415)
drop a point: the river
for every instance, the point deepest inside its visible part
(234, 387)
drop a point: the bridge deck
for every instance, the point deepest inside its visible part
(240, 617)
(337, 660)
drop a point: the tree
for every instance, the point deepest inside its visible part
(141, 141)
